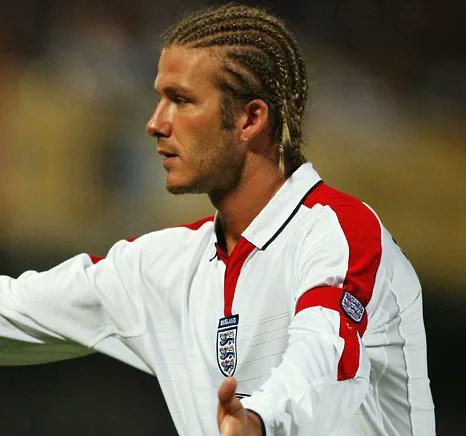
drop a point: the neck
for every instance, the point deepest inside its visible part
(238, 207)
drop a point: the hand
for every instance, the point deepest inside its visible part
(232, 418)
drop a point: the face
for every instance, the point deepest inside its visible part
(199, 155)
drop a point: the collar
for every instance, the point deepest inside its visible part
(281, 208)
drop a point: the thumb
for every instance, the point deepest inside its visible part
(232, 418)
(230, 409)
(226, 392)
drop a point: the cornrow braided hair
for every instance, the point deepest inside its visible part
(262, 60)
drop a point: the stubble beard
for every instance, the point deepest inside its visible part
(217, 172)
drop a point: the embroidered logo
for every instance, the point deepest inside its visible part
(226, 344)
(352, 307)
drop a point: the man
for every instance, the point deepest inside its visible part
(293, 288)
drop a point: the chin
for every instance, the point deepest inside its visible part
(184, 188)
(179, 189)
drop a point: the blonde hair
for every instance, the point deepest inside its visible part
(262, 60)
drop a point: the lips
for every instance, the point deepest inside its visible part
(169, 159)
(166, 154)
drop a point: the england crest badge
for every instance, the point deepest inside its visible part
(226, 344)
(352, 307)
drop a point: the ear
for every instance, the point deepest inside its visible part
(253, 119)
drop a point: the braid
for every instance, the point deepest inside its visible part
(262, 60)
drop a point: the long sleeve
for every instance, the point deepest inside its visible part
(324, 374)
(64, 312)
(303, 395)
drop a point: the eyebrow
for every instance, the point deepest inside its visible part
(174, 90)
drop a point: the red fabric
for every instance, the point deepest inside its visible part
(362, 231)
(363, 234)
(95, 259)
(221, 254)
(234, 263)
(330, 298)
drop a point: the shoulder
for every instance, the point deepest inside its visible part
(343, 204)
(359, 234)
(356, 219)
(168, 243)
(180, 234)
(203, 223)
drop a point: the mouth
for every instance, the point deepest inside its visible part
(166, 154)
(170, 160)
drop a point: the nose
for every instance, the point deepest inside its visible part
(158, 126)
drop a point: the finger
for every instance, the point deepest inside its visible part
(226, 391)
(230, 413)
(228, 403)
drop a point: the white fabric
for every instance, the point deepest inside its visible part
(155, 304)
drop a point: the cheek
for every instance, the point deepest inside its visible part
(201, 133)
(187, 129)
(199, 130)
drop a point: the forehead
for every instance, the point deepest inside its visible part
(189, 68)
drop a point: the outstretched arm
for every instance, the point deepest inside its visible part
(66, 311)
(233, 419)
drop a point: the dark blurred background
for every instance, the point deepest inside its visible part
(387, 123)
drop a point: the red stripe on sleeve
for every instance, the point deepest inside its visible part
(330, 298)
(363, 235)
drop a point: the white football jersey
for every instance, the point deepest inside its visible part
(317, 314)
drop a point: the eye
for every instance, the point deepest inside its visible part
(180, 100)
